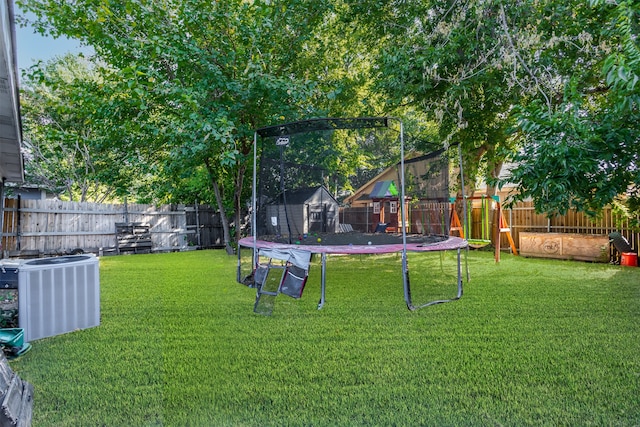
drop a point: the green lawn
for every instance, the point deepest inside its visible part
(532, 342)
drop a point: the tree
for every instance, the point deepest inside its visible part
(68, 137)
(448, 60)
(550, 85)
(213, 70)
(583, 153)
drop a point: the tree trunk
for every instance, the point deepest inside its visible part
(223, 218)
(223, 215)
(242, 169)
(496, 168)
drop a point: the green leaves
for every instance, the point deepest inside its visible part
(195, 78)
(65, 129)
(619, 75)
(188, 81)
(584, 154)
(575, 158)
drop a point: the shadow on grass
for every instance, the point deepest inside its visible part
(531, 342)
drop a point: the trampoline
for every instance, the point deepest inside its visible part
(294, 209)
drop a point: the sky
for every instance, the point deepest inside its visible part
(33, 47)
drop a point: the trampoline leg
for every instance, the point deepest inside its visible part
(407, 287)
(323, 281)
(406, 283)
(238, 273)
(466, 262)
(460, 275)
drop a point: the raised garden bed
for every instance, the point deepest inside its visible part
(581, 247)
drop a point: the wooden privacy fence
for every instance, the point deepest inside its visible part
(51, 227)
(359, 218)
(520, 218)
(523, 218)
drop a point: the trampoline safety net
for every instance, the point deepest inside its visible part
(308, 170)
(345, 186)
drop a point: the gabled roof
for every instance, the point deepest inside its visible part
(392, 171)
(300, 196)
(361, 194)
(384, 189)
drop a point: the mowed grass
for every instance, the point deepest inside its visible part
(532, 342)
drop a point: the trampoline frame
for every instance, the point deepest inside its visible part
(303, 126)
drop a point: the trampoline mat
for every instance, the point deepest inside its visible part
(354, 238)
(357, 243)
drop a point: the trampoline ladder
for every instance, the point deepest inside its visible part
(268, 286)
(265, 288)
(287, 276)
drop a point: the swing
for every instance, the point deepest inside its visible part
(502, 225)
(465, 230)
(485, 238)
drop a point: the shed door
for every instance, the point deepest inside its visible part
(321, 217)
(392, 218)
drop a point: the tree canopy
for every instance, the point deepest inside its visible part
(583, 150)
(76, 146)
(202, 75)
(550, 86)
(512, 81)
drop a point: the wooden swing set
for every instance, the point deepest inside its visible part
(500, 226)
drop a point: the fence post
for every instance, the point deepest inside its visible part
(18, 224)
(198, 238)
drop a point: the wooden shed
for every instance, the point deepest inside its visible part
(385, 198)
(307, 210)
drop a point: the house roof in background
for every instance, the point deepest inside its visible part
(300, 196)
(11, 163)
(384, 189)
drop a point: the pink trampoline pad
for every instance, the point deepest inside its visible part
(450, 243)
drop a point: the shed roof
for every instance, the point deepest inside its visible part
(383, 189)
(300, 196)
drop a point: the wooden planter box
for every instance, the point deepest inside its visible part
(583, 247)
